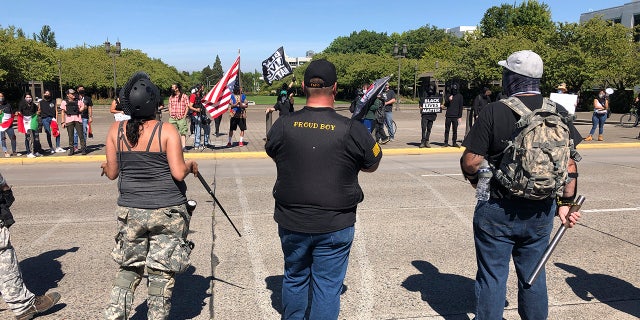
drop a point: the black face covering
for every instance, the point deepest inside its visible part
(514, 83)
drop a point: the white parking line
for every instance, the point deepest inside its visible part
(261, 294)
(610, 210)
(441, 175)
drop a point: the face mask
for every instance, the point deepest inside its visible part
(29, 99)
(46, 96)
(601, 96)
(81, 91)
(1, 99)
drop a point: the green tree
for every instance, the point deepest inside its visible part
(46, 36)
(216, 71)
(365, 41)
(497, 20)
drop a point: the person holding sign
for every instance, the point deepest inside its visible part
(430, 107)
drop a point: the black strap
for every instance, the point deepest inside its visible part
(153, 133)
(122, 138)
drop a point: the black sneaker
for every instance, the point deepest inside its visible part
(70, 152)
(40, 305)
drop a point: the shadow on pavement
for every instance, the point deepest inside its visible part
(604, 288)
(274, 283)
(43, 272)
(450, 295)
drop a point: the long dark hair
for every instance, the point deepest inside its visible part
(134, 129)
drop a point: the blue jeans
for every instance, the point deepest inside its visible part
(85, 128)
(505, 229)
(598, 120)
(197, 121)
(388, 121)
(368, 123)
(317, 259)
(12, 136)
(46, 123)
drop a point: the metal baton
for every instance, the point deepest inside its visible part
(552, 245)
(206, 186)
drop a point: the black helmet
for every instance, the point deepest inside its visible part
(139, 98)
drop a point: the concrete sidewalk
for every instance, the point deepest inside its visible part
(407, 138)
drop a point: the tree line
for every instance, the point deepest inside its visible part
(586, 56)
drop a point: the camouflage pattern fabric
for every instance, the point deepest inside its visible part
(13, 290)
(155, 238)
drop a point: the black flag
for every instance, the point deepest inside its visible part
(275, 67)
(362, 106)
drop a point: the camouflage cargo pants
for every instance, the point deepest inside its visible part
(12, 288)
(155, 238)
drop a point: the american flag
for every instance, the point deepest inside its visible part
(217, 100)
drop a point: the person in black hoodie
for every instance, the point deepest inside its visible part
(453, 115)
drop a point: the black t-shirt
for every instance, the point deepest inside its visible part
(318, 154)
(87, 103)
(386, 96)
(496, 123)
(47, 108)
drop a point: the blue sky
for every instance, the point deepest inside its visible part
(189, 34)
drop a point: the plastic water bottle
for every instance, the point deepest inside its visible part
(483, 190)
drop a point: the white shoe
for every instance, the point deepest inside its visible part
(31, 155)
(60, 150)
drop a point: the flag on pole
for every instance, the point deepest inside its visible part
(27, 123)
(7, 120)
(276, 67)
(217, 100)
(362, 106)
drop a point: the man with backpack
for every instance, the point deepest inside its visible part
(524, 196)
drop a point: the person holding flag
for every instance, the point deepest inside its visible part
(216, 102)
(6, 127)
(238, 112)
(28, 124)
(49, 115)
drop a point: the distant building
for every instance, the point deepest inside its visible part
(461, 30)
(295, 62)
(627, 14)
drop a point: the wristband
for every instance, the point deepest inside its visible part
(565, 201)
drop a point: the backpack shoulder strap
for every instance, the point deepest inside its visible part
(516, 105)
(550, 105)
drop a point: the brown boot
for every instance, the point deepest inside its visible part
(589, 138)
(40, 305)
(600, 137)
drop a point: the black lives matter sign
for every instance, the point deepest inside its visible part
(431, 105)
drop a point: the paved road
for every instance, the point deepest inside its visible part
(413, 255)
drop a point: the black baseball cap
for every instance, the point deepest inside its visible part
(324, 72)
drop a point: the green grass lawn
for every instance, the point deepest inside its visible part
(271, 100)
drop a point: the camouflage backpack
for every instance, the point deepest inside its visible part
(534, 163)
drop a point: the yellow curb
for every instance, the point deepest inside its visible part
(263, 155)
(598, 145)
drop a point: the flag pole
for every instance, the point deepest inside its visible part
(239, 71)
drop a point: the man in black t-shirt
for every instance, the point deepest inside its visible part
(318, 154)
(87, 115)
(506, 226)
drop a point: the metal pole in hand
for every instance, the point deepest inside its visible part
(552, 245)
(206, 186)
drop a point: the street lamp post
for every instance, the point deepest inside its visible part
(113, 52)
(399, 56)
(415, 79)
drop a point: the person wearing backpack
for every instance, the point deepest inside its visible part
(516, 223)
